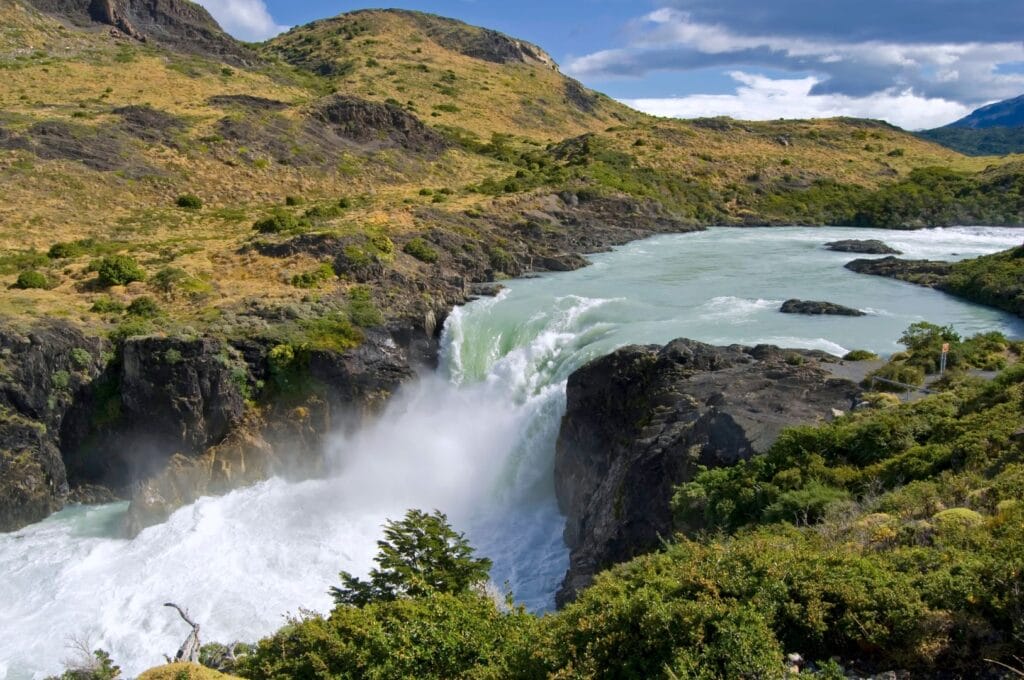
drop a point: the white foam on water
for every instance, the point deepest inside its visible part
(736, 310)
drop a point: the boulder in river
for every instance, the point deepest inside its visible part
(641, 420)
(865, 247)
(814, 307)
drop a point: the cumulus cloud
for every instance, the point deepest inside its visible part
(244, 19)
(674, 40)
(762, 98)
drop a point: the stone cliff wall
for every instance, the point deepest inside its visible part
(641, 420)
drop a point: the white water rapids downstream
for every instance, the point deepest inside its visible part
(474, 440)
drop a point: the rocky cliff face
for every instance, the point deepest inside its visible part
(165, 420)
(43, 371)
(177, 24)
(641, 420)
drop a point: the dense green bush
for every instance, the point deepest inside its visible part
(280, 222)
(189, 202)
(860, 355)
(107, 305)
(31, 279)
(144, 307)
(421, 250)
(436, 637)
(119, 270)
(65, 250)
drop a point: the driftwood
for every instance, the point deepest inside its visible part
(189, 650)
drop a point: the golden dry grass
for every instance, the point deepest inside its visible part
(55, 73)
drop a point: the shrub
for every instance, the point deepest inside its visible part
(189, 202)
(97, 666)
(144, 307)
(323, 212)
(31, 279)
(119, 270)
(81, 358)
(313, 278)
(63, 250)
(501, 259)
(362, 309)
(278, 222)
(896, 372)
(357, 257)
(860, 355)
(421, 250)
(293, 200)
(383, 244)
(107, 305)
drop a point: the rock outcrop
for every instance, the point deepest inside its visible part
(222, 446)
(922, 272)
(641, 420)
(43, 370)
(367, 122)
(176, 24)
(815, 307)
(864, 247)
(478, 43)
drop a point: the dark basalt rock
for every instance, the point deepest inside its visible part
(151, 125)
(57, 140)
(105, 148)
(641, 420)
(177, 24)
(42, 371)
(865, 247)
(181, 391)
(923, 272)
(367, 122)
(814, 307)
(247, 102)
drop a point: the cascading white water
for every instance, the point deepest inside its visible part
(474, 440)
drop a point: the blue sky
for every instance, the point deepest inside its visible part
(916, 63)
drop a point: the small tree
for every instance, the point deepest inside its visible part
(924, 336)
(420, 554)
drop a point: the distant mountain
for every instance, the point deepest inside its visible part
(1008, 113)
(995, 129)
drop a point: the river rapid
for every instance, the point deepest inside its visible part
(474, 439)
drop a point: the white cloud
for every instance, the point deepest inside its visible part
(671, 40)
(244, 19)
(761, 98)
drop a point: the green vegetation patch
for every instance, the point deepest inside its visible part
(119, 270)
(421, 250)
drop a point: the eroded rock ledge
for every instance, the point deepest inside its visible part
(641, 420)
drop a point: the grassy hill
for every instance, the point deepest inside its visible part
(101, 134)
